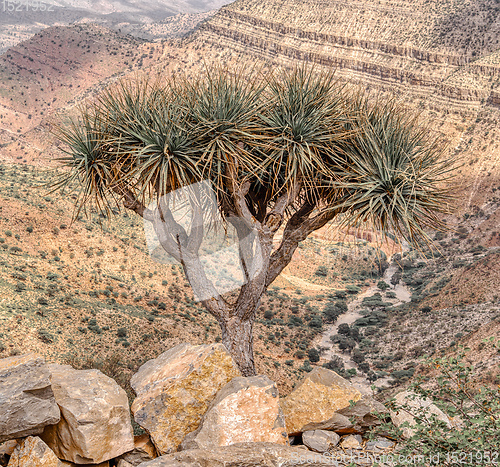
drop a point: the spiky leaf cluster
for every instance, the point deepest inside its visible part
(293, 131)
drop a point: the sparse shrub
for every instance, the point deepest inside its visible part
(382, 285)
(358, 356)
(313, 355)
(316, 322)
(335, 364)
(322, 271)
(295, 321)
(45, 336)
(299, 354)
(453, 389)
(306, 366)
(121, 332)
(268, 314)
(352, 289)
(344, 329)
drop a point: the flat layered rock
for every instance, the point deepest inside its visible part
(143, 451)
(95, 423)
(247, 409)
(175, 390)
(27, 403)
(322, 393)
(320, 440)
(243, 455)
(338, 423)
(363, 414)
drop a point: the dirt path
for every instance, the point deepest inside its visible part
(352, 314)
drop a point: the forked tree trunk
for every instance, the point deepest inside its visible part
(237, 336)
(259, 261)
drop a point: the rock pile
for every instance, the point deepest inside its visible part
(194, 405)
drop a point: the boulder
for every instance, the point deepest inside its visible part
(123, 463)
(33, 452)
(320, 440)
(243, 455)
(412, 405)
(246, 409)
(175, 390)
(6, 450)
(27, 403)
(351, 442)
(95, 421)
(338, 423)
(143, 451)
(322, 393)
(363, 414)
(380, 444)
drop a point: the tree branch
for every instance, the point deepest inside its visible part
(131, 202)
(274, 219)
(297, 229)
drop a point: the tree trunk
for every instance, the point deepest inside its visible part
(237, 336)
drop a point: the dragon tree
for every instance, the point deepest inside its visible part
(283, 154)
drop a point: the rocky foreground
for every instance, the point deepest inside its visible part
(197, 411)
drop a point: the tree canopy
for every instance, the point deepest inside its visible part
(287, 151)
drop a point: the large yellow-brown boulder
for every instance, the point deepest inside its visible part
(244, 410)
(33, 452)
(175, 390)
(95, 423)
(316, 399)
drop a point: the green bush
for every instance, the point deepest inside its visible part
(268, 314)
(321, 271)
(335, 364)
(453, 388)
(45, 336)
(352, 289)
(295, 321)
(382, 285)
(313, 355)
(316, 322)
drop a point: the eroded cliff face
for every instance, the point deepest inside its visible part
(441, 48)
(441, 57)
